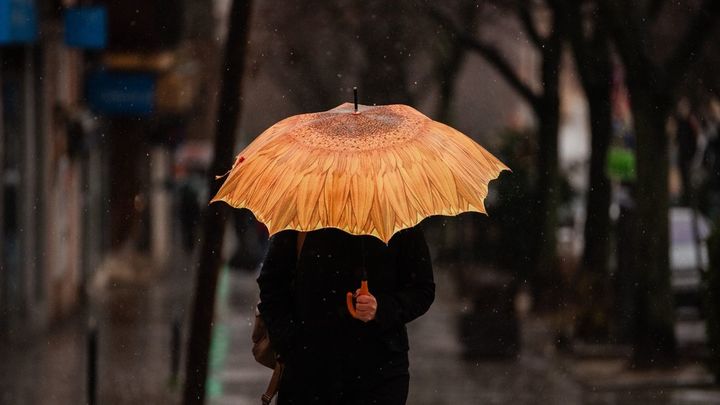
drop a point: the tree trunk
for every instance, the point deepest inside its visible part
(546, 107)
(595, 282)
(450, 58)
(450, 61)
(654, 89)
(545, 256)
(591, 50)
(547, 111)
(447, 77)
(654, 342)
(214, 216)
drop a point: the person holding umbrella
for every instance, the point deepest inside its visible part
(330, 356)
(342, 193)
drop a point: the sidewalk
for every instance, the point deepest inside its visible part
(134, 317)
(610, 376)
(439, 375)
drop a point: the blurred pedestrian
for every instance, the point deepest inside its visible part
(686, 136)
(711, 157)
(252, 237)
(329, 356)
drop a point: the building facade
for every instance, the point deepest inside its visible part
(89, 113)
(50, 195)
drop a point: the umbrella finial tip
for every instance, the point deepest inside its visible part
(356, 98)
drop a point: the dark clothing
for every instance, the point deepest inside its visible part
(331, 357)
(383, 391)
(687, 147)
(711, 160)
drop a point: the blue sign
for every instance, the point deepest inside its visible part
(121, 93)
(18, 21)
(86, 27)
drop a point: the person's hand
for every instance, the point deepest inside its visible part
(366, 306)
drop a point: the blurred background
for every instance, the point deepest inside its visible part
(595, 279)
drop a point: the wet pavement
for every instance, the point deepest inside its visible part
(439, 375)
(134, 323)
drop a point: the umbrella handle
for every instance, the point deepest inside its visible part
(363, 291)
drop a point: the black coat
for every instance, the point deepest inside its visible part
(326, 351)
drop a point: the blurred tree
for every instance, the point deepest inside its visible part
(388, 35)
(704, 80)
(655, 71)
(385, 48)
(375, 45)
(511, 216)
(547, 35)
(213, 226)
(310, 65)
(450, 54)
(590, 45)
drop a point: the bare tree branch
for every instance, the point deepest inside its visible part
(578, 40)
(492, 55)
(627, 36)
(525, 14)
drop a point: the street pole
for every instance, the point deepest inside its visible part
(92, 360)
(175, 335)
(214, 217)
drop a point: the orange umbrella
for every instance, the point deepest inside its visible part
(367, 170)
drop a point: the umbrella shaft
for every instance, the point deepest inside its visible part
(356, 98)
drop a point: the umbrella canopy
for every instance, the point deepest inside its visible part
(373, 171)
